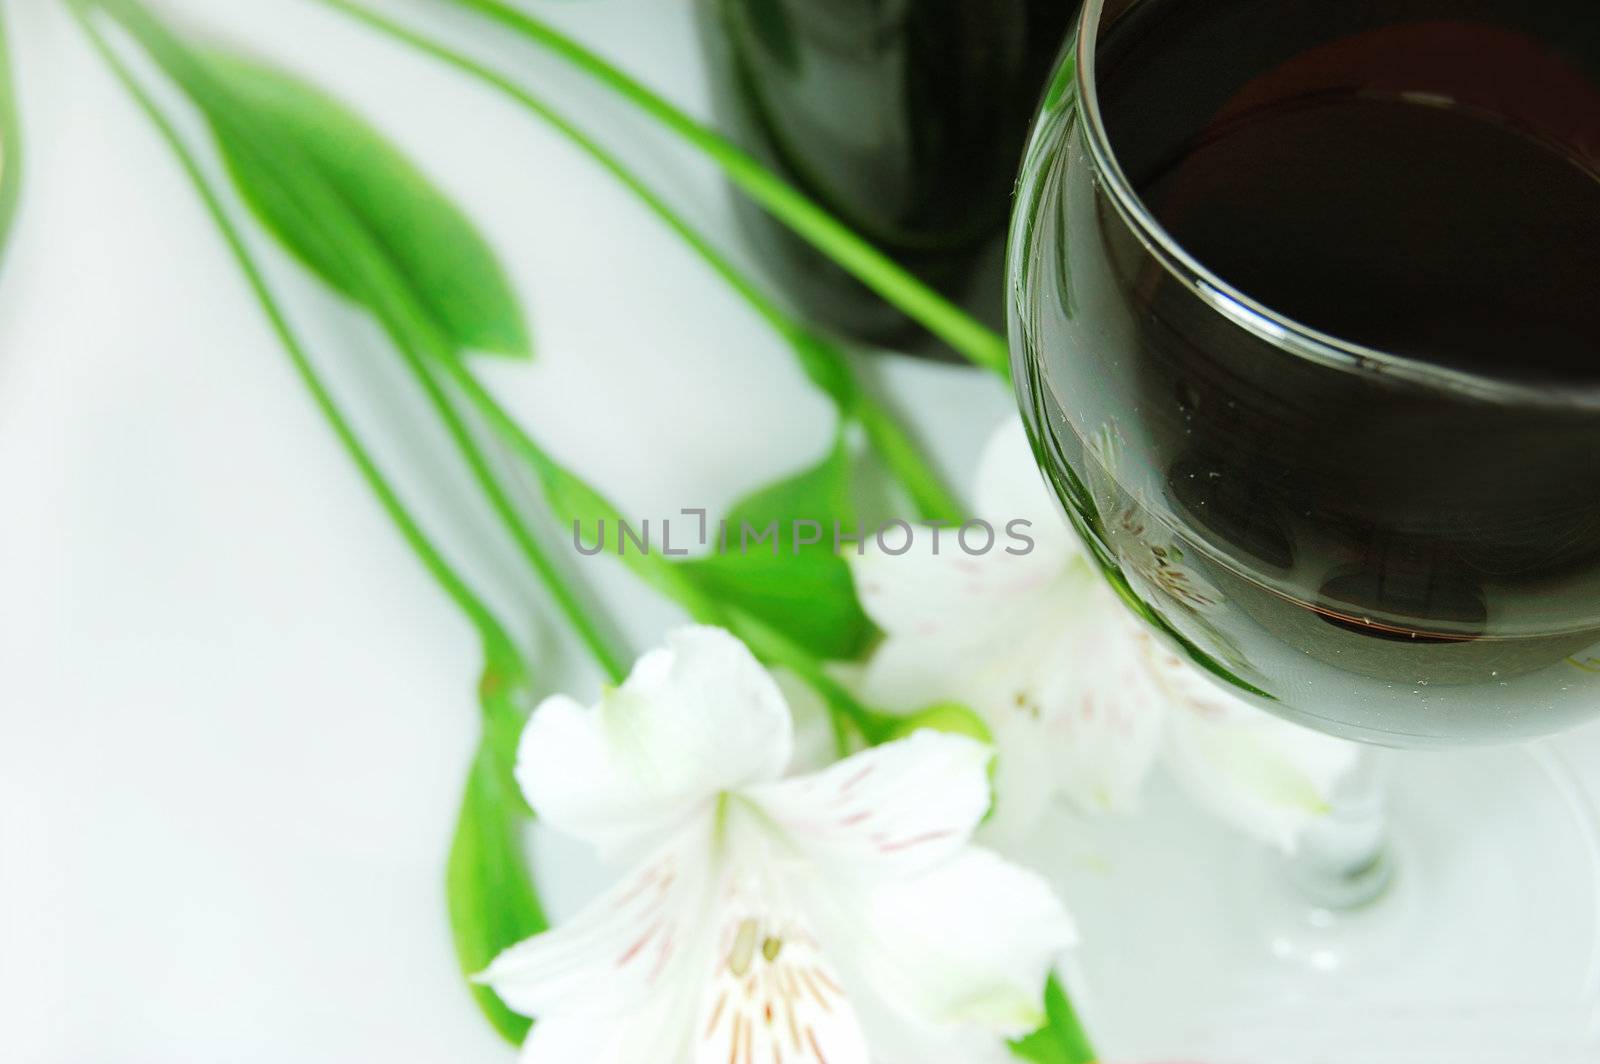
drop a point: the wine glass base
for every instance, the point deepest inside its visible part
(1484, 948)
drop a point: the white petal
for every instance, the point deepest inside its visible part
(889, 811)
(694, 719)
(1263, 775)
(989, 646)
(1097, 719)
(1028, 777)
(902, 1045)
(1037, 646)
(1063, 687)
(557, 1039)
(920, 594)
(656, 1031)
(1011, 487)
(1074, 713)
(960, 953)
(908, 674)
(639, 943)
(816, 744)
(936, 589)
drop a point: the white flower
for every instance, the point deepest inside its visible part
(1081, 700)
(769, 919)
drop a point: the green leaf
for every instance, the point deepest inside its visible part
(491, 898)
(454, 277)
(809, 597)
(342, 199)
(492, 901)
(1062, 1039)
(10, 139)
(804, 591)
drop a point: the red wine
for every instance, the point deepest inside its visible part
(1395, 528)
(1383, 190)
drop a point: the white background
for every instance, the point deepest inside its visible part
(234, 714)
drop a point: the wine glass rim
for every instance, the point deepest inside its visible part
(1280, 330)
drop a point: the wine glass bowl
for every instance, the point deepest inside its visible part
(1305, 330)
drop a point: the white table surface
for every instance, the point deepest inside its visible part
(234, 714)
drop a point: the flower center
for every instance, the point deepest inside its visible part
(774, 998)
(746, 939)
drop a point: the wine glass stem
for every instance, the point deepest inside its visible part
(1344, 861)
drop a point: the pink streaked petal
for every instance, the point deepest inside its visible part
(626, 948)
(887, 811)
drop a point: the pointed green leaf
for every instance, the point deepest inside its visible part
(491, 898)
(1062, 1039)
(804, 591)
(809, 597)
(454, 277)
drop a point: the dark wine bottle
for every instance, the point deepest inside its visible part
(904, 118)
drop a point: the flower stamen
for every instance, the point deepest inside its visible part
(744, 948)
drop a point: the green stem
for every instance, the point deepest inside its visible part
(610, 659)
(767, 643)
(900, 451)
(823, 362)
(10, 137)
(499, 648)
(882, 274)
(559, 485)
(422, 350)
(385, 293)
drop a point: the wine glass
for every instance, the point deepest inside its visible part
(1305, 319)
